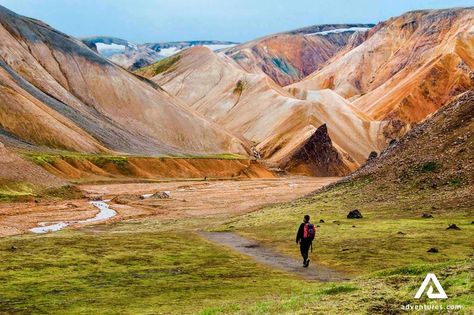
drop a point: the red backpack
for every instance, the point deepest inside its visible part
(309, 231)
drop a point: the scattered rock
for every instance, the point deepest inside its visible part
(336, 222)
(13, 247)
(321, 221)
(317, 225)
(472, 222)
(71, 205)
(162, 195)
(95, 198)
(344, 249)
(353, 226)
(401, 233)
(354, 214)
(453, 227)
(426, 216)
(433, 250)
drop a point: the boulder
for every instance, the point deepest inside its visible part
(162, 195)
(372, 156)
(354, 214)
(452, 227)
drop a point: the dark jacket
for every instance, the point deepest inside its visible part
(300, 234)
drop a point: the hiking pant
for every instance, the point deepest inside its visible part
(304, 248)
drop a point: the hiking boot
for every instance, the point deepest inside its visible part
(306, 264)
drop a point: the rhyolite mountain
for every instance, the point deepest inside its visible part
(252, 106)
(133, 56)
(290, 56)
(407, 67)
(55, 92)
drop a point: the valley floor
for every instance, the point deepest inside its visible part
(189, 199)
(158, 261)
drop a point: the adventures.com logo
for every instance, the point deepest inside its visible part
(427, 286)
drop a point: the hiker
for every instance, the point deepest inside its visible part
(305, 239)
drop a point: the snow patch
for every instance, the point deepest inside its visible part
(340, 30)
(101, 47)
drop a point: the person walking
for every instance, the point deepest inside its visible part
(304, 238)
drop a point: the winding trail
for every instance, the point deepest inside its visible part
(274, 259)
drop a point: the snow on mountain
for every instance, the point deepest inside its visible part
(340, 30)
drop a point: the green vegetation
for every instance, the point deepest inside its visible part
(430, 166)
(162, 66)
(134, 272)
(161, 266)
(118, 160)
(15, 191)
(21, 191)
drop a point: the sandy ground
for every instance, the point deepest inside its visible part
(188, 199)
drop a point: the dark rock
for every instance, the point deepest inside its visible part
(317, 225)
(433, 250)
(321, 221)
(472, 222)
(319, 156)
(426, 216)
(354, 214)
(13, 247)
(372, 156)
(452, 227)
(336, 222)
(401, 233)
(252, 246)
(353, 226)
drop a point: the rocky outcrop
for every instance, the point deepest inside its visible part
(317, 157)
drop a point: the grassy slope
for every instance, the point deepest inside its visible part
(161, 66)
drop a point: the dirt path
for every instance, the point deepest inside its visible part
(274, 259)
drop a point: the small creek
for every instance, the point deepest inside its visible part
(104, 213)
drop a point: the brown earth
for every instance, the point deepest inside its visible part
(14, 169)
(188, 199)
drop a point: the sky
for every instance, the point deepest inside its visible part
(143, 21)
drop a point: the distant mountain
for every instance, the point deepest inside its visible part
(57, 93)
(290, 56)
(133, 56)
(407, 67)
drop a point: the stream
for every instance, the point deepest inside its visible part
(104, 213)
